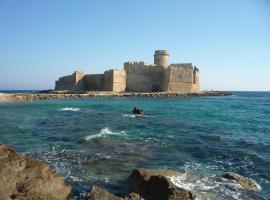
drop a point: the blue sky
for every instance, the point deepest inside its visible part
(41, 40)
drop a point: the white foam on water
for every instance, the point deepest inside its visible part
(199, 184)
(209, 187)
(70, 109)
(128, 115)
(103, 133)
(136, 115)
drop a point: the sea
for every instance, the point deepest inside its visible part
(98, 141)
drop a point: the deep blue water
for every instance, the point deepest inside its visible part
(97, 142)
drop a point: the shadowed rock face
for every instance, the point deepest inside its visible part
(245, 182)
(24, 178)
(155, 185)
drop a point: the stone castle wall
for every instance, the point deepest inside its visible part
(71, 82)
(143, 78)
(94, 82)
(64, 83)
(138, 77)
(181, 77)
(115, 80)
(79, 80)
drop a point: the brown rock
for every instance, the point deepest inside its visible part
(155, 185)
(245, 182)
(133, 196)
(97, 193)
(24, 178)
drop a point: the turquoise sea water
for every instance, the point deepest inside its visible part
(98, 142)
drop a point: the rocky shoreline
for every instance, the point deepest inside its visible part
(25, 178)
(43, 95)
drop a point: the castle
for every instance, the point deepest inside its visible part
(137, 77)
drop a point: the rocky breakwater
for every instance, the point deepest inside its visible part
(5, 97)
(66, 94)
(24, 178)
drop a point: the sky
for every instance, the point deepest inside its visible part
(228, 40)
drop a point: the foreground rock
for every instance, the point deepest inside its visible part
(24, 178)
(97, 193)
(245, 182)
(155, 185)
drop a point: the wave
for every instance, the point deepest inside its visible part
(204, 183)
(209, 187)
(134, 116)
(129, 115)
(70, 109)
(103, 133)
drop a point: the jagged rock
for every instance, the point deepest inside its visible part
(133, 196)
(24, 178)
(155, 185)
(245, 182)
(97, 193)
(137, 111)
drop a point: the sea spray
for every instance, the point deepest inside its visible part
(103, 132)
(70, 109)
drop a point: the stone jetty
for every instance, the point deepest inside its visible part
(68, 94)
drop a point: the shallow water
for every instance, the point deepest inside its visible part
(98, 142)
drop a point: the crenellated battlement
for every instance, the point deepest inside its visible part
(138, 76)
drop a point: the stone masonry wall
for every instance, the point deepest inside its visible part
(65, 83)
(180, 78)
(79, 80)
(138, 77)
(94, 82)
(115, 80)
(143, 78)
(71, 82)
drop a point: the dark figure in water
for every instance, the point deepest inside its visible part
(137, 111)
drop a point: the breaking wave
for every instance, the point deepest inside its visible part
(70, 109)
(103, 133)
(209, 187)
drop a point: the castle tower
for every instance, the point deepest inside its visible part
(161, 58)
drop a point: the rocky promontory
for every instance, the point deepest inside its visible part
(24, 178)
(50, 94)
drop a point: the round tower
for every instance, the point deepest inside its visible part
(161, 58)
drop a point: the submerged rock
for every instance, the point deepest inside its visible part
(137, 111)
(97, 193)
(24, 178)
(245, 182)
(154, 184)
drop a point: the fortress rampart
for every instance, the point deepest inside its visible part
(138, 77)
(142, 77)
